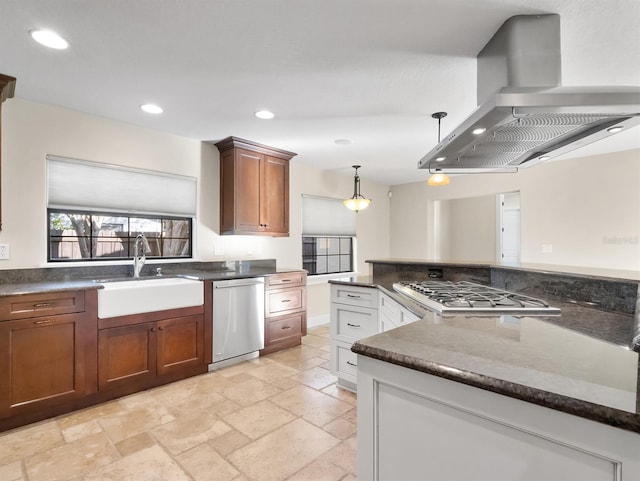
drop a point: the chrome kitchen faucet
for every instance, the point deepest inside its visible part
(139, 258)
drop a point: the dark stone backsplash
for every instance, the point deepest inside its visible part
(386, 274)
(69, 273)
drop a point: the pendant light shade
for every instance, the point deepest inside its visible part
(358, 201)
(438, 177)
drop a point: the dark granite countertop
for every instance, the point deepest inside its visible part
(529, 358)
(22, 288)
(49, 286)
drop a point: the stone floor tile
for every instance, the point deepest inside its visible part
(273, 371)
(314, 406)
(340, 393)
(300, 443)
(316, 377)
(250, 391)
(284, 383)
(349, 477)
(142, 417)
(204, 464)
(71, 460)
(187, 432)
(295, 354)
(205, 401)
(236, 369)
(228, 442)
(23, 442)
(351, 416)
(340, 428)
(259, 419)
(151, 464)
(90, 414)
(318, 471)
(304, 364)
(343, 455)
(314, 341)
(134, 444)
(79, 431)
(12, 472)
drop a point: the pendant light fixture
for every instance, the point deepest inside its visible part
(438, 177)
(358, 201)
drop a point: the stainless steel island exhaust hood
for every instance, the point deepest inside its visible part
(524, 115)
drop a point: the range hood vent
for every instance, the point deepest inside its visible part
(525, 115)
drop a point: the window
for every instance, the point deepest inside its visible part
(85, 236)
(95, 211)
(327, 255)
(328, 236)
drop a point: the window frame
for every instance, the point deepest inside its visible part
(129, 216)
(340, 273)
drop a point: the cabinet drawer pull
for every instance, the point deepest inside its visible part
(353, 325)
(285, 300)
(285, 327)
(42, 304)
(352, 364)
(352, 296)
(40, 323)
(285, 280)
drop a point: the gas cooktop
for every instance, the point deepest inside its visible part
(468, 297)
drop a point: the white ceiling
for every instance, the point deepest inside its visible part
(371, 71)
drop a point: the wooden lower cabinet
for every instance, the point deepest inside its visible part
(136, 356)
(285, 311)
(47, 357)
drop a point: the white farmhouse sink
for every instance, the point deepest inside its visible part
(123, 298)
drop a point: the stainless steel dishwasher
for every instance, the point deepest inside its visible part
(238, 320)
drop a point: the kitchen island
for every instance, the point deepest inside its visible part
(500, 397)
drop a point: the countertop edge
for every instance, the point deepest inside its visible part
(584, 409)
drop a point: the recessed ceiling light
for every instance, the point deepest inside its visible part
(478, 131)
(544, 157)
(151, 108)
(342, 141)
(440, 159)
(613, 130)
(264, 114)
(49, 38)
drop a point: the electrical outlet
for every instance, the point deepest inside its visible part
(4, 251)
(546, 248)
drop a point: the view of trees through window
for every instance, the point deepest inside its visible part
(78, 235)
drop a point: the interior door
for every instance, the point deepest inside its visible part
(510, 229)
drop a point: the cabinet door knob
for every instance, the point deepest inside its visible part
(161, 328)
(153, 329)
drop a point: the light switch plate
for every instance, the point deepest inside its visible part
(4, 251)
(547, 248)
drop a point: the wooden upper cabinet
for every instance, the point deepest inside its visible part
(254, 188)
(7, 87)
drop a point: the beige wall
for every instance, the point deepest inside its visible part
(470, 232)
(587, 209)
(30, 131)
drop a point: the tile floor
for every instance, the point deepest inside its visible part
(279, 417)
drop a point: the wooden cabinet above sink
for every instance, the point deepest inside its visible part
(254, 188)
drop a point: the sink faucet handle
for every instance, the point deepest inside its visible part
(158, 271)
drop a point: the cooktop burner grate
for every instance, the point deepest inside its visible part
(447, 296)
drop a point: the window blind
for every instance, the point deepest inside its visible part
(73, 183)
(324, 216)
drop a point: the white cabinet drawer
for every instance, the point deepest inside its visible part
(350, 323)
(354, 295)
(344, 362)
